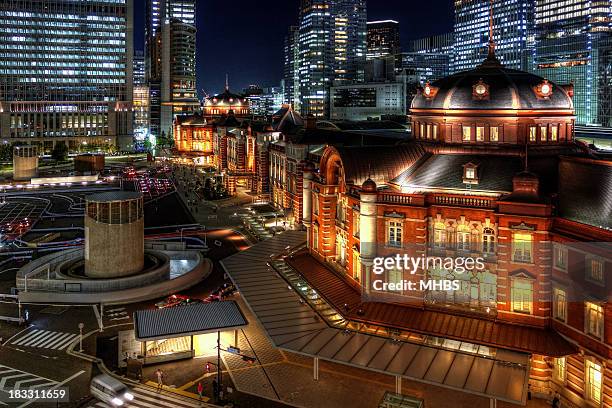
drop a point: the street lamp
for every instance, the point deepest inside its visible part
(81, 325)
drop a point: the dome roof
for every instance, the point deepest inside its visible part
(227, 98)
(491, 86)
(369, 186)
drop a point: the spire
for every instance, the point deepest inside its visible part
(491, 60)
(227, 82)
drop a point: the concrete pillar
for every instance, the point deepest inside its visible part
(367, 231)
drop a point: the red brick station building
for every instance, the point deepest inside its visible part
(491, 168)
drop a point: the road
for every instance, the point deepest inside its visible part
(35, 356)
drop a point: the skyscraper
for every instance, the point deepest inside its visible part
(170, 46)
(383, 39)
(139, 68)
(332, 50)
(66, 73)
(512, 22)
(291, 68)
(572, 45)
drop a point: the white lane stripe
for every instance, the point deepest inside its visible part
(10, 377)
(47, 384)
(38, 339)
(61, 346)
(51, 339)
(7, 371)
(28, 335)
(167, 398)
(54, 341)
(59, 340)
(18, 384)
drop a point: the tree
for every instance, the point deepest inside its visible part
(60, 151)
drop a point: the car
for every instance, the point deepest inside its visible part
(171, 301)
(110, 390)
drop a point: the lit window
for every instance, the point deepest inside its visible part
(422, 130)
(480, 130)
(467, 133)
(594, 320)
(522, 247)
(470, 173)
(429, 131)
(559, 304)
(593, 381)
(560, 255)
(356, 266)
(439, 235)
(356, 222)
(315, 238)
(533, 133)
(488, 241)
(435, 132)
(595, 270)
(463, 238)
(522, 295)
(560, 369)
(543, 133)
(554, 133)
(494, 134)
(394, 234)
(315, 204)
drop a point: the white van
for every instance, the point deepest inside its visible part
(108, 389)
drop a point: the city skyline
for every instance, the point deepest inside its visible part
(215, 36)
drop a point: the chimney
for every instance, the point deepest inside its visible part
(310, 122)
(526, 184)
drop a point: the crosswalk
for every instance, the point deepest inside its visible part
(11, 379)
(44, 339)
(145, 397)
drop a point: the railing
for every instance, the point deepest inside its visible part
(403, 199)
(463, 201)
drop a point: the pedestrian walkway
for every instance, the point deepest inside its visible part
(145, 397)
(13, 379)
(44, 339)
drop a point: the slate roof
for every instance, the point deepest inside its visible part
(585, 191)
(495, 172)
(181, 321)
(380, 163)
(508, 88)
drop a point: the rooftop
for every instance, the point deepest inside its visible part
(201, 318)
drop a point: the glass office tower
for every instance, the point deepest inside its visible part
(383, 39)
(66, 73)
(332, 50)
(513, 25)
(572, 46)
(170, 48)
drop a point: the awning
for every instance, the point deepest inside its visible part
(201, 318)
(294, 326)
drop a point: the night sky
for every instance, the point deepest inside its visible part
(245, 38)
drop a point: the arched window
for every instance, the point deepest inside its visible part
(439, 235)
(488, 241)
(463, 238)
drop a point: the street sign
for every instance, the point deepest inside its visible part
(233, 350)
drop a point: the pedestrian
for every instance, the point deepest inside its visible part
(556, 401)
(200, 390)
(160, 379)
